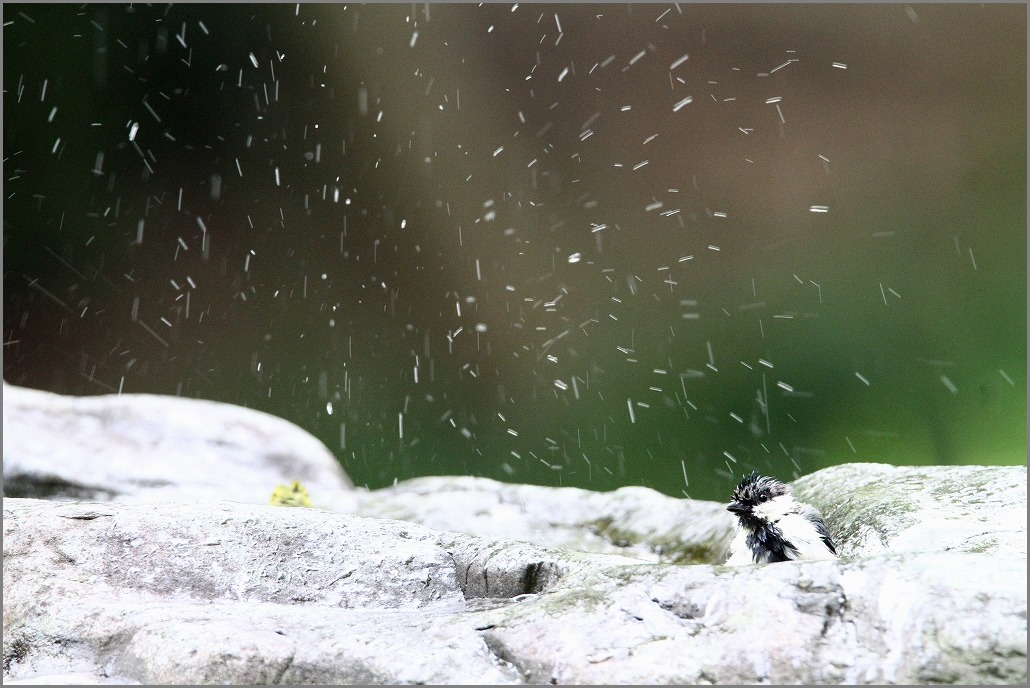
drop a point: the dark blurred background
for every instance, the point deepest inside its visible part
(590, 245)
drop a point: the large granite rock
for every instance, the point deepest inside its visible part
(465, 580)
(870, 509)
(877, 508)
(632, 521)
(144, 446)
(230, 593)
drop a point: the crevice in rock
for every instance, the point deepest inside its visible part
(530, 578)
(29, 486)
(278, 680)
(500, 650)
(829, 603)
(112, 652)
(478, 578)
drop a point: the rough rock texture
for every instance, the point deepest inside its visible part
(877, 508)
(869, 508)
(211, 593)
(478, 581)
(632, 521)
(868, 621)
(143, 446)
(202, 593)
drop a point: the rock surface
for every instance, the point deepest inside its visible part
(870, 509)
(632, 521)
(462, 580)
(877, 508)
(144, 446)
(208, 592)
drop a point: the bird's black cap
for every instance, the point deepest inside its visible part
(752, 489)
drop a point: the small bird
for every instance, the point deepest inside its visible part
(773, 526)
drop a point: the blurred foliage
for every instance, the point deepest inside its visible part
(293, 495)
(501, 241)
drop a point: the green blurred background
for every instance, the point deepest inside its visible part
(589, 245)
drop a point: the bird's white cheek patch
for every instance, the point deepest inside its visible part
(769, 513)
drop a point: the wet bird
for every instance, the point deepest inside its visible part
(773, 526)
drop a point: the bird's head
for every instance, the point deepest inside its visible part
(753, 499)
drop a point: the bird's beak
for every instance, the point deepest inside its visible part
(737, 508)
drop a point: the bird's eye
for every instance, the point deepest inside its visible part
(763, 498)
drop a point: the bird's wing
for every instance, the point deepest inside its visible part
(816, 519)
